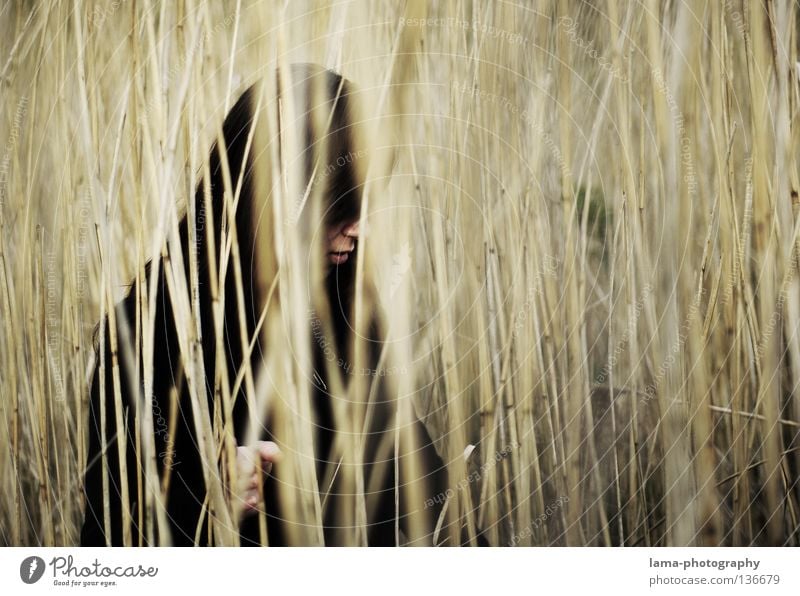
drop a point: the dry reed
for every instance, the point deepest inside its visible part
(585, 257)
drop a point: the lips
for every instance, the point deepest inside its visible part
(337, 258)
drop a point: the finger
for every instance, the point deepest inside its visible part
(266, 468)
(468, 451)
(269, 451)
(246, 460)
(250, 505)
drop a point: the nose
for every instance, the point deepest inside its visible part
(351, 230)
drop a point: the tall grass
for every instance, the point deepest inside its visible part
(585, 257)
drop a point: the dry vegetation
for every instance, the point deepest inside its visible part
(586, 254)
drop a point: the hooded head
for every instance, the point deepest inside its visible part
(318, 139)
(326, 151)
(332, 160)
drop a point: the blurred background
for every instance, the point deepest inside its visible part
(587, 247)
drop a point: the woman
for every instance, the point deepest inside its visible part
(179, 462)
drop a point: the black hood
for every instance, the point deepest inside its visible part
(324, 103)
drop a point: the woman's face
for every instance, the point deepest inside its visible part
(341, 241)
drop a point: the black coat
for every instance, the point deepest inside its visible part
(187, 490)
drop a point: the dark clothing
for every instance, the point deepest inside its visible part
(179, 457)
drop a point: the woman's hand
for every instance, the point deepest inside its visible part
(263, 454)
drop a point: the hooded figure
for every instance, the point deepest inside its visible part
(179, 461)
